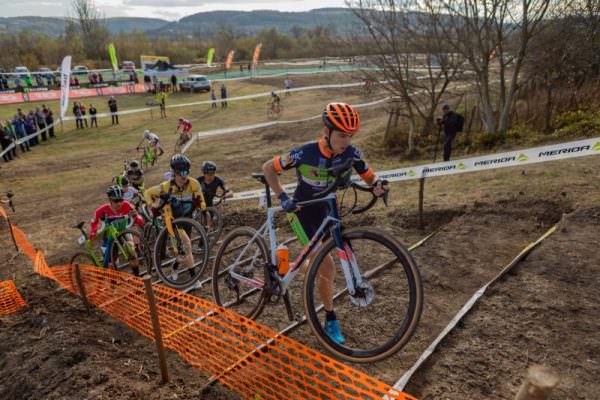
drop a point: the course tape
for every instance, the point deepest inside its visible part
(562, 151)
(249, 358)
(401, 383)
(10, 299)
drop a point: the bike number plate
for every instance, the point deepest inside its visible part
(81, 239)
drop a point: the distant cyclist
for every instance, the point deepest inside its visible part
(135, 175)
(129, 192)
(210, 183)
(185, 127)
(275, 102)
(116, 212)
(154, 142)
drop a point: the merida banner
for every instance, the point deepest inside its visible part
(65, 76)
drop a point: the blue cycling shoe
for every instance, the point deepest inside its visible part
(332, 328)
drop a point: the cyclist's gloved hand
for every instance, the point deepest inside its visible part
(381, 187)
(287, 204)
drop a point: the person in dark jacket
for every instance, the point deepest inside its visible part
(49, 119)
(112, 106)
(223, 96)
(30, 129)
(40, 119)
(19, 128)
(173, 83)
(93, 119)
(5, 141)
(452, 123)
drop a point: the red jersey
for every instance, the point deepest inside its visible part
(107, 214)
(186, 125)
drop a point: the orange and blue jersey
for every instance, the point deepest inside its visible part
(311, 162)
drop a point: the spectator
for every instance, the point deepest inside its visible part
(10, 132)
(174, 83)
(77, 114)
(39, 81)
(147, 83)
(162, 101)
(223, 96)
(19, 129)
(49, 120)
(30, 129)
(100, 78)
(112, 106)
(4, 82)
(83, 113)
(28, 81)
(49, 81)
(76, 81)
(287, 84)
(5, 141)
(18, 85)
(213, 98)
(93, 119)
(452, 123)
(40, 119)
(20, 114)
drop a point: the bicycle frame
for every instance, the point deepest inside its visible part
(349, 265)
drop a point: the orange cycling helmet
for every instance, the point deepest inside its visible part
(341, 117)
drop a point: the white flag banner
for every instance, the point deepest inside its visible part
(65, 79)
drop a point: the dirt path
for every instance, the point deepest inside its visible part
(545, 311)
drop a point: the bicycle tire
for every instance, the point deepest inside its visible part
(401, 333)
(81, 258)
(243, 233)
(217, 229)
(160, 250)
(141, 256)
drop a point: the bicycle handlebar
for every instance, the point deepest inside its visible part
(338, 172)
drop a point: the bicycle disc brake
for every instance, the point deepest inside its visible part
(364, 294)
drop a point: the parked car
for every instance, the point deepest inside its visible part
(80, 70)
(195, 83)
(128, 66)
(45, 72)
(20, 72)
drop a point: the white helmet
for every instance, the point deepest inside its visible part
(146, 133)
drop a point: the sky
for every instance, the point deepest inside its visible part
(164, 9)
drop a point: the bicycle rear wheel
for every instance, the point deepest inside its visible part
(383, 315)
(178, 265)
(129, 253)
(244, 253)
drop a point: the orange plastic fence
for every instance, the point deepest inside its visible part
(10, 299)
(247, 357)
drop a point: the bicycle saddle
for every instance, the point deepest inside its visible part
(259, 177)
(79, 225)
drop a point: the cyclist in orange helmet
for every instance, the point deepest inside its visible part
(311, 161)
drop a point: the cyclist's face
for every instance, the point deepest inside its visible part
(340, 141)
(115, 204)
(179, 179)
(209, 176)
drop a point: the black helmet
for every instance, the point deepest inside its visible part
(134, 164)
(114, 192)
(120, 180)
(209, 166)
(180, 164)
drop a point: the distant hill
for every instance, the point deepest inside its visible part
(204, 23)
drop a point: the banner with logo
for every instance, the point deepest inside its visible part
(65, 76)
(112, 52)
(256, 54)
(229, 60)
(209, 56)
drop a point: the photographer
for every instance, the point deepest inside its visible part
(452, 123)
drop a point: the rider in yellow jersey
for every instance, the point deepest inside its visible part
(185, 195)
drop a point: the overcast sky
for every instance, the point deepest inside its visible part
(165, 9)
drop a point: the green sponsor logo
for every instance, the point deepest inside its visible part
(596, 147)
(460, 166)
(411, 173)
(522, 157)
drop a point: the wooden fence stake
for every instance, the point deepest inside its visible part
(539, 382)
(156, 326)
(421, 195)
(12, 234)
(81, 288)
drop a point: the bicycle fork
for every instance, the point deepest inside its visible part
(361, 291)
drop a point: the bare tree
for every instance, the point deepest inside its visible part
(493, 36)
(409, 53)
(93, 28)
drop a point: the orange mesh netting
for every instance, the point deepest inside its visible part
(10, 299)
(247, 357)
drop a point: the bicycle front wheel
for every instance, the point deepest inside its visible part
(240, 272)
(181, 260)
(384, 312)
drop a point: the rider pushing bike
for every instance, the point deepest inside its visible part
(210, 183)
(311, 161)
(117, 211)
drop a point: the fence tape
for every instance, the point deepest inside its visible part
(249, 358)
(401, 383)
(562, 151)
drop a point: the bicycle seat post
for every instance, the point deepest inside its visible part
(268, 194)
